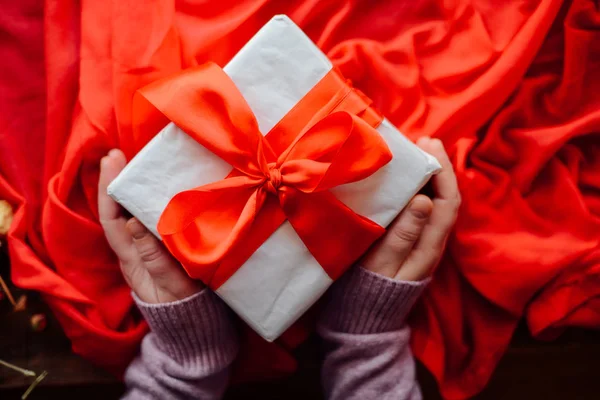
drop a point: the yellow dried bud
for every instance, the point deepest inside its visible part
(6, 216)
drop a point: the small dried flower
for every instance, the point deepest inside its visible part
(21, 304)
(6, 216)
(6, 291)
(38, 322)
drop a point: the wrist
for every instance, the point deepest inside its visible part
(179, 290)
(364, 302)
(196, 328)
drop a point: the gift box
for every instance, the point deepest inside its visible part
(272, 270)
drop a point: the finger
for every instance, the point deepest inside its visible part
(425, 256)
(387, 256)
(428, 250)
(444, 183)
(446, 195)
(110, 166)
(155, 257)
(109, 212)
(165, 271)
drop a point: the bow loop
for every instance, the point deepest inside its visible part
(205, 103)
(214, 228)
(340, 148)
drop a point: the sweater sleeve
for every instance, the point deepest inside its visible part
(366, 340)
(187, 353)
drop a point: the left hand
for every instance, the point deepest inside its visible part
(151, 272)
(415, 241)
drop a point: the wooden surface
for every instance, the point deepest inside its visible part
(568, 368)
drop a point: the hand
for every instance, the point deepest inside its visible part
(151, 272)
(415, 241)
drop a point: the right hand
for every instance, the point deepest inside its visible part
(415, 241)
(151, 272)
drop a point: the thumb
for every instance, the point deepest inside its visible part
(166, 272)
(156, 259)
(388, 255)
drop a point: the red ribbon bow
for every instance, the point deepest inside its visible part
(214, 228)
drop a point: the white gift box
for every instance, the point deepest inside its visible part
(281, 280)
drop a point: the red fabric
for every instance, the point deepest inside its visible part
(207, 228)
(512, 88)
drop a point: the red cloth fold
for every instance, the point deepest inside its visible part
(512, 88)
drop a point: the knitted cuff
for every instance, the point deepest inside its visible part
(196, 331)
(363, 302)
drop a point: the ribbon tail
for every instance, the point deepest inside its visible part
(334, 234)
(188, 205)
(205, 103)
(267, 221)
(200, 227)
(341, 148)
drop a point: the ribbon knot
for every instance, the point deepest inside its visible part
(274, 179)
(213, 229)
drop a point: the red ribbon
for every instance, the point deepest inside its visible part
(213, 229)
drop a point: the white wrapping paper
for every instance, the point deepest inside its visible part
(281, 280)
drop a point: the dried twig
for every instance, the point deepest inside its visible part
(7, 292)
(21, 304)
(28, 373)
(24, 371)
(34, 384)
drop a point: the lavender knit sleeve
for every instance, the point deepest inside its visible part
(188, 352)
(366, 340)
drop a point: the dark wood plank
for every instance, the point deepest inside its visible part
(49, 350)
(564, 369)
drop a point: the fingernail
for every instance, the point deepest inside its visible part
(114, 152)
(136, 229)
(418, 213)
(437, 142)
(423, 140)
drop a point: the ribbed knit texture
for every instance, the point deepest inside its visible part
(197, 332)
(188, 354)
(363, 302)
